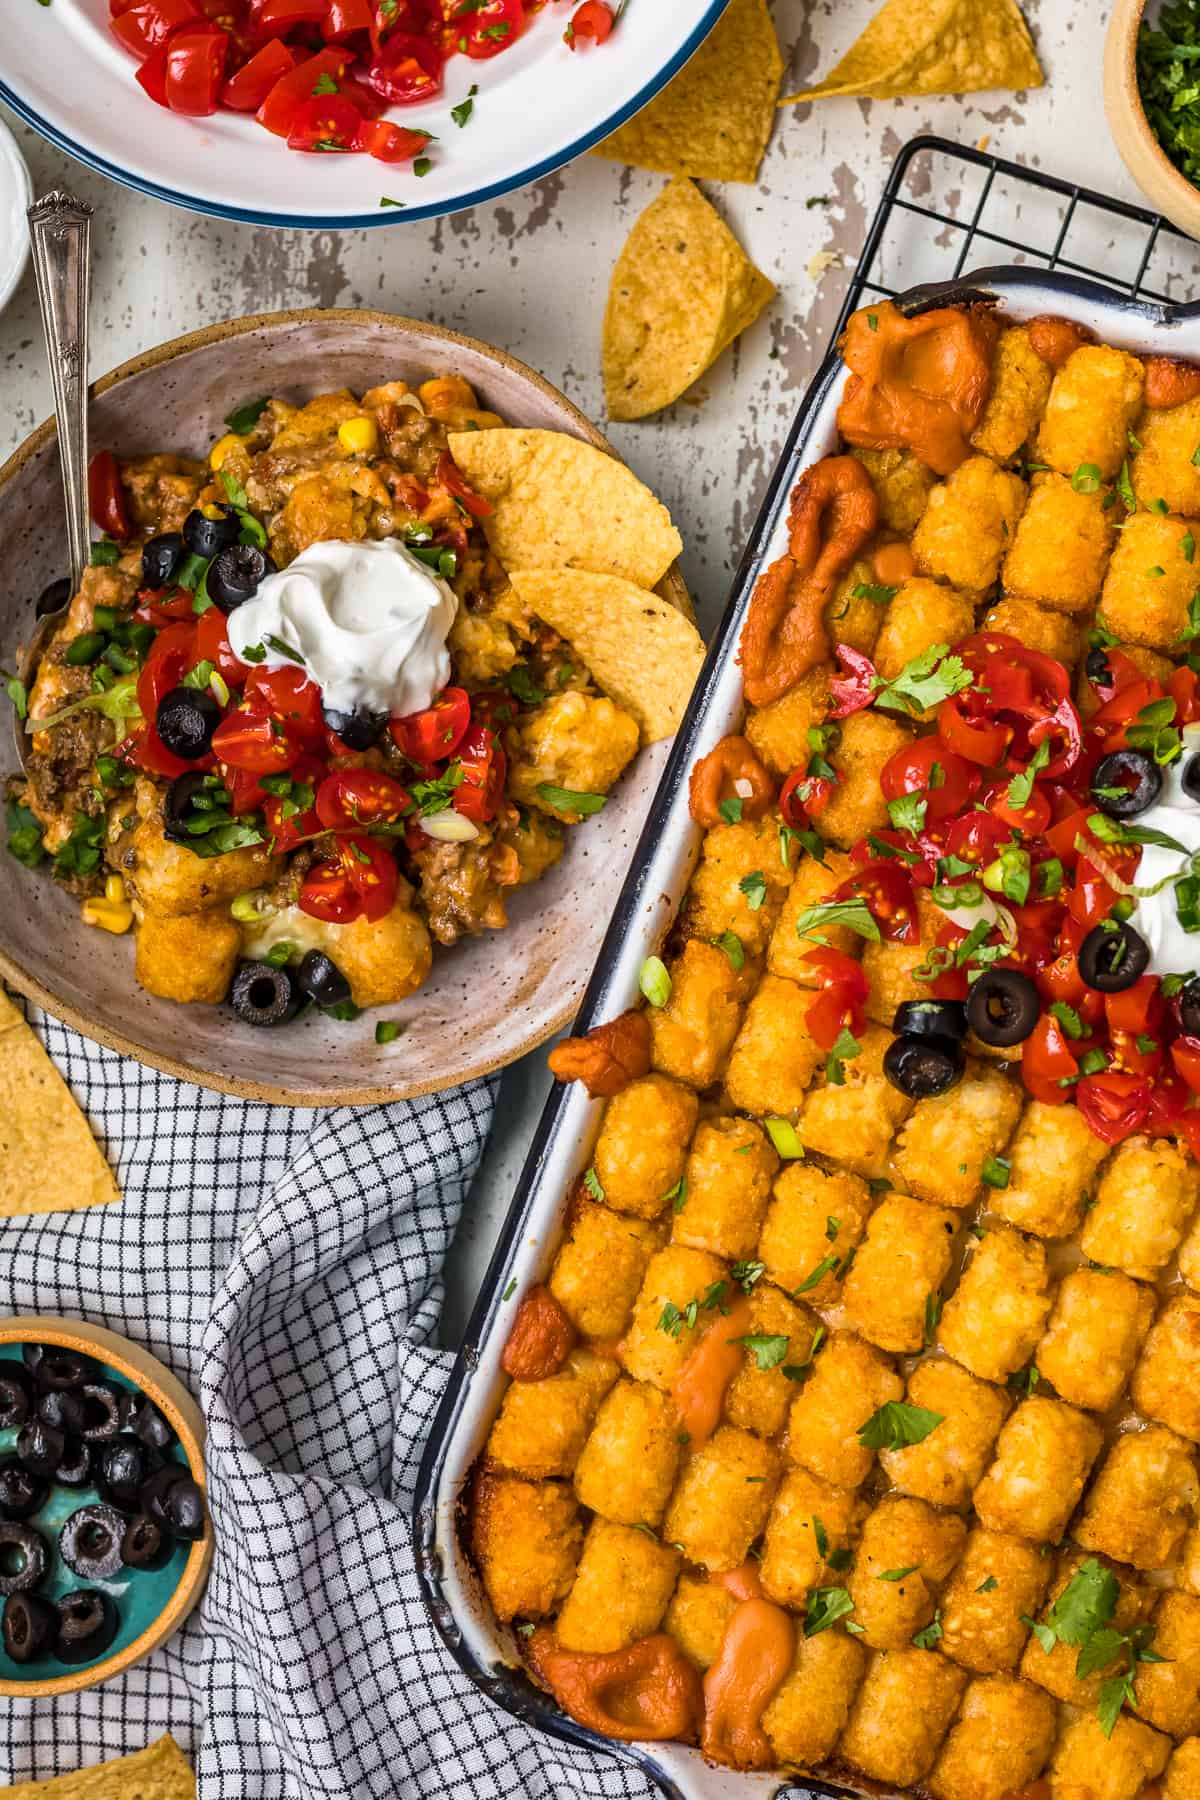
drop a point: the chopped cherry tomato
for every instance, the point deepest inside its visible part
(274, 18)
(195, 69)
(407, 69)
(284, 100)
(851, 692)
(355, 798)
(594, 19)
(1047, 1062)
(148, 752)
(325, 123)
(1168, 1098)
(913, 769)
(489, 27)
(327, 894)
(843, 992)
(449, 478)
(976, 837)
(212, 645)
(432, 736)
(1184, 689)
(389, 143)
(1114, 1105)
(288, 820)
(146, 26)
(1185, 1054)
(163, 606)
(802, 797)
(1136, 1009)
(1030, 817)
(106, 496)
(373, 874)
(291, 698)
(889, 896)
(248, 88)
(484, 767)
(245, 795)
(344, 17)
(979, 740)
(1189, 1130)
(249, 738)
(172, 654)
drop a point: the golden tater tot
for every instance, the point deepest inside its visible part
(722, 1498)
(526, 1536)
(807, 1714)
(639, 1155)
(1044, 1455)
(1056, 1669)
(729, 1171)
(850, 1381)
(789, 954)
(622, 1586)
(890, 1294)
(995, 1316)
(1164, 468)
(1150, 581)
(998, 1744)
(1144, 1204)
(1000, 1582)
(774, 1055)
(853, 1121)
(1166, 1382)
(1143, 1501)
(1055, 634)
(906, 1551)
(697, 1616)
(693, 1033)
(1168, 1692)
(921, 613)
(733, 855)
(902, 484)
(688, 1282)
(901, 1715)
(598, 1271)
(758, 1399)
(577, 742)
(1061, 546)
(942, 1148)
(1182, 1778)
(1094, 399)
(1054, 1157)
(626, 1469)
(948, 1465)
(813, 1222)
(778, 733)
(968, 524)
(1017, 398)
(857, 804)
(810, 1521)
(187, 956)
(1116, 1767)
(543, 1424)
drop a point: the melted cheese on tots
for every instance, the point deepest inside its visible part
(1043, 1457)
(730, 1167)
(692, 1034)
(940, 1152)
(1144, 1204)
(1000, 1581)
(643, 1141)
(1094, 399)
(850, 1381)
(1143, 1501)
(806, 1716)
(722, 1499)
(999, 1743)
(947, 1466)
(1095, 1332)
(1054, 1157)
(901, 1715)
(622, 1587)
(994, 1318)
(626, 1469)
(890, 1294)
(1166, 1383)
(906, 1551)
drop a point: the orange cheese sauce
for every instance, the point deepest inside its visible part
(699, 1388)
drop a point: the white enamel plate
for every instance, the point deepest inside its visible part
(539, 105)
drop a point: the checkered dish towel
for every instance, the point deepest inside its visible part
(286, 1264)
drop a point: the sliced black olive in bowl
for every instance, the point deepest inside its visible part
(1097, 667)
(87, 1625)
(1188, 1003)
(59, 1368)
(148, 1424)
(21, 1491)
(234, 575)
(261, 995)
(931, 1018)
(90, 1542)
(359, 729)
(122, 1464)
(175, 1502)
(924, 1066)
(53, 597)
(208, 537)
(177, 806)
(1126, 783)
(101, 1410)
(24, 1557)
(1003, 1007)
(40, 1447)
(185, 721)
(63, 1410)
(75, 1469)
(161, 557)
(29, 1626)
(1112, 957)
(146, 1545)
(1190, 777)
(320, 979)
(16, 1396)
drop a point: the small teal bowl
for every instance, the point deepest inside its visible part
(150, 1603)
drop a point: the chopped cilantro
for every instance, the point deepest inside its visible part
(732, 945)
(768, 1351)
(244, 418)
(825, 1607)
(567, 800)
(462, 112)
(897, 1423)
(754, 887)
(854, 915)
(926, 680)
(591, 1182)
(731, 809)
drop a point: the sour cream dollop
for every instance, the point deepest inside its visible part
(368, 622)
(1173, 951)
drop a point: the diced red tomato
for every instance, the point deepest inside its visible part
(274, 18)
(1029, 817)
(488, 28)
(857, 687)
(145, 26)
(594, 19)
(911, 770)
(1185, 1054)
(280, 106)
(325, 123)
(389, 143)
(249, 738)
(287, 827)
(979, 740)
(889, 896)
(327, 894)
(407, 69)
(245, 795)
(976, 837)
(360, 883)
(344, 17)
(485, 768)
(842, 996)
(248, 88)
(159, 607)
(1047, 1062)
(195, 69)
(355, 798)
(291, 698)
(212, 645)
(106, 496)
(432, 736)
(172, 654)
(802, 797)
(449, 478)
(1115, 1105)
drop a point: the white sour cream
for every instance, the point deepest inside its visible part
(368, 622)
(1173, 951)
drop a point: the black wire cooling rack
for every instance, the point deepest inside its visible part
(948, 209)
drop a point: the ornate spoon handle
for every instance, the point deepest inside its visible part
(60, 230)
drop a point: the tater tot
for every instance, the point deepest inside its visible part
(621, 1589)
(948, 1465)
(901, 482)
(1168, 1692)
(1144, 1204)
(813, 1222)
(850, 1381)
(857, 804)
(697, 1617)
(1044, 1454)
(920, 613)
(968, 524)
(889, 966)
(189, 957)
(722, 1498)
(1094, 1335)
(1055, 634)
(626, 1469)
(542, 1425)
(758, 1399)
(640, 1152)
(806, 1716)
(906, 1551)
(1056, 1669)
(1054, 1157)
(774, 1055)
(901, 1715)
(580, 743)
(1166, 1382)
(718, 902)
(170, 880)
(1143, 1501)
(730, 1167)
(853, 1122)
(1086, 1762)
(812, 884)
(810, 1521)
(1061, 546)
(1150, 581)
(660, 1340)
(1000, 1581)
(1017, 397)
(692, 1034)
(850, 616)
(999, 1744)
(1164, 468)
(778, 733)
(940, 1152)
(598, 1271)
(526, 1536)
(1187, 1570)
(890, 1294)
(994, 1318)
(1094, 399)
(1189, 1258)
(1182, 1780)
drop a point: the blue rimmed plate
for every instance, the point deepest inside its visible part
(539, 105)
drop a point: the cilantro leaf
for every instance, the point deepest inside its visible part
(825, 1607)
(896, 1424)
(855, 915)
(768, 1350)
(926, 680)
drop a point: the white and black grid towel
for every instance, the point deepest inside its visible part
(287, 1265)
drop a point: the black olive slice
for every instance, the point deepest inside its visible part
(29, 1626)
(923, 1066)
(147, 1423)
(235, 573)
(40, 1447)
(21, 1491)
(174, 1501)
(145, 1545)
(90, 1542)
(75, 1469)
(1112, 957)
(321, 980)
(1188, 1003)
(359, 729)
(16, 1396)
(1097, 668)
(24, 1557)
(59, 1369)
(87, 1625)
(206, 537)
(161, 557)
(185, 721)
(931, 1018)
(1126, 783)
(1190, 777)
(177, 805)
(122, 1464)
(261, 995)
(101, 1410)
(63, 1410)
(1003, 1007)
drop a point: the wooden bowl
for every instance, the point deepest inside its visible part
(1161, 182)
(160, 1599)
(489, 999)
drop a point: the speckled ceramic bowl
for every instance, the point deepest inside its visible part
(488, 1000)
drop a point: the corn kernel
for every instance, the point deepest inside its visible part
(359, 436)
(212, 509)
(221, 449)
(114, 889)
(107, 915)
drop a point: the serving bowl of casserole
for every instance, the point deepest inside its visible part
(488, 998)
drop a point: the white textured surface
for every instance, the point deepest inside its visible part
(530, 272)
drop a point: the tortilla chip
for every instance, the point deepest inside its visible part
(49, 1160)
(160, 1772)
(682, 290)
(558, 502)
(641, 652)
(935, 47)
(713, 120)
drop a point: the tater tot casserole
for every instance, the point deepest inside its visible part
(853, 1430)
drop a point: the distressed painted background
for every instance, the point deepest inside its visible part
(530, 272)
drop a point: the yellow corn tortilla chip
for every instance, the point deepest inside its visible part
(682, 290)
(49, 1160)
(640, 650)
(935, 47)
(713, 120)
(159, 1772)
(558, 502)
